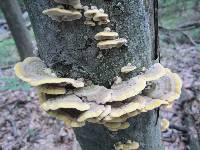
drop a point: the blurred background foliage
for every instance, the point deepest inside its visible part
(174, 14)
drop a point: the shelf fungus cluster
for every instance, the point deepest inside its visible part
(94, 15)
(71, 101)
(129, 145)
(108, 39)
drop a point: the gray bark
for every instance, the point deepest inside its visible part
(16, 23)
(70, 49)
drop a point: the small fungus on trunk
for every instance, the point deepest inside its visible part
(129, 145)
(128, 68)
(60, 14)
(109, 44)
(164, 124)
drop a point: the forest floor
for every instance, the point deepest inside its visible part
(184, 117)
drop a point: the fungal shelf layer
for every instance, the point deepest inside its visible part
(77, 104)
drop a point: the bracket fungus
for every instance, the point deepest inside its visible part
(115, 126)
(32, 71)
(111, 107)
(151, 104)
(60, 14)
(108, 39)
(117, 119)
(167, 87)
(68, 101)
(109, 44)
(89, 23)
(96, 15)
(133, 114)
(42, 97)
(164, 125)
(75, 3)
(123, 126)
(95, 93)
(105, 113)
(89, 13)
(101, 17)
(52, 90)
(94, 111)
(128, 68)
(129, 145)
(137, 105)
(119, 146)
(124, 109)
(117, 80)
(68, 120)
(127, 89)
(154, 72)
(106, 35)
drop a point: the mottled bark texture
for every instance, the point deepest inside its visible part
(16, 23)
(70, 49)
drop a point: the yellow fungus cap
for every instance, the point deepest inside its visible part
(59, 14)
(94, 111)
(106, 35)
(154, 72)
(95, 93)
(124, 109)
(68, 101)
(108, 44)
(130, 145)
(167, 87)
(68, 120)
(90, 23)
(105, 113)
(128, 89)
(90, 13)
(128, 68)
(164, 124)
(32, 71)
(42, 97)
(117, 126)
(100, 16)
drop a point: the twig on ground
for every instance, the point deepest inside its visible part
(13, 126)
(179, 128)
(189, 26)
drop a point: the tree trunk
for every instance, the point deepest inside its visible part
(13, 15)
(70, 49)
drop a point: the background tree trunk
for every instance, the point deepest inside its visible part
(13, 15)
(70, 49)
